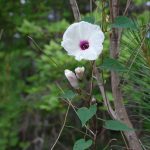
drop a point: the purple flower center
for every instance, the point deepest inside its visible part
(84, 45)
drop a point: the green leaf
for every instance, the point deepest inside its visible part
(82, 144)
(116, 126)
(90, 19)
(85, 114)
(110, 96)
(123, 22)
(113, 65)
(69, 94)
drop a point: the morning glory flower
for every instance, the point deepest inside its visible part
(83, 40)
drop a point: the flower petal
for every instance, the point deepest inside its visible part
(96, 41)
(86, 30)
(71, 33)
(89, 54)
(71, 47)
(98, 36)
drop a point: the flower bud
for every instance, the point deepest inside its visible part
(79, 72)
(72, 78)
(93, 100)
(107, 18)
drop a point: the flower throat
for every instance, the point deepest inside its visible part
(84, 45)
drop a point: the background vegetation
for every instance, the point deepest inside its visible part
(32, 64)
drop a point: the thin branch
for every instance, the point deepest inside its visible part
(142, 145)
(102, 90)
(100, 119)
(127, 6)
(91, 6)
(78, 131)
(75, 10)
(105, 148)
(61, 128)
(73, 107)
(91, 82)
(124, 140)
(37, 46)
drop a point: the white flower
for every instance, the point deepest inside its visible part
(148, 3)
(72, 78)
(79, 72)
(83, 40)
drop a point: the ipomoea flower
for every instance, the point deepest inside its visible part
(83, 40)
(72, 78)
(79, 72)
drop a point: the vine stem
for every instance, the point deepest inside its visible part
(61, 128)
(85, 133)
(38, 47)
(73, 107)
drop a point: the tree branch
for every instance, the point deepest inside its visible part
(115, 80)
(75, 10)
(102, 90)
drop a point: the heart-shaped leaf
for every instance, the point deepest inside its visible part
(85, 114)
(113, 65)
(69, 94)
(123, 22)
(116, 126)
(82, 144)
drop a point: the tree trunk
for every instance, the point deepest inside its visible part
(120, 110)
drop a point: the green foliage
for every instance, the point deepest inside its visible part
(69, 95)
(123, 22)
(27, 79)
(85, 114)
(49, 102)
(10, 100)
(30, 28)
(116, 126)
(135, 50)
(90, 19)
(82, 144)
(57, 27)
(29, 96)
(113, 65)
